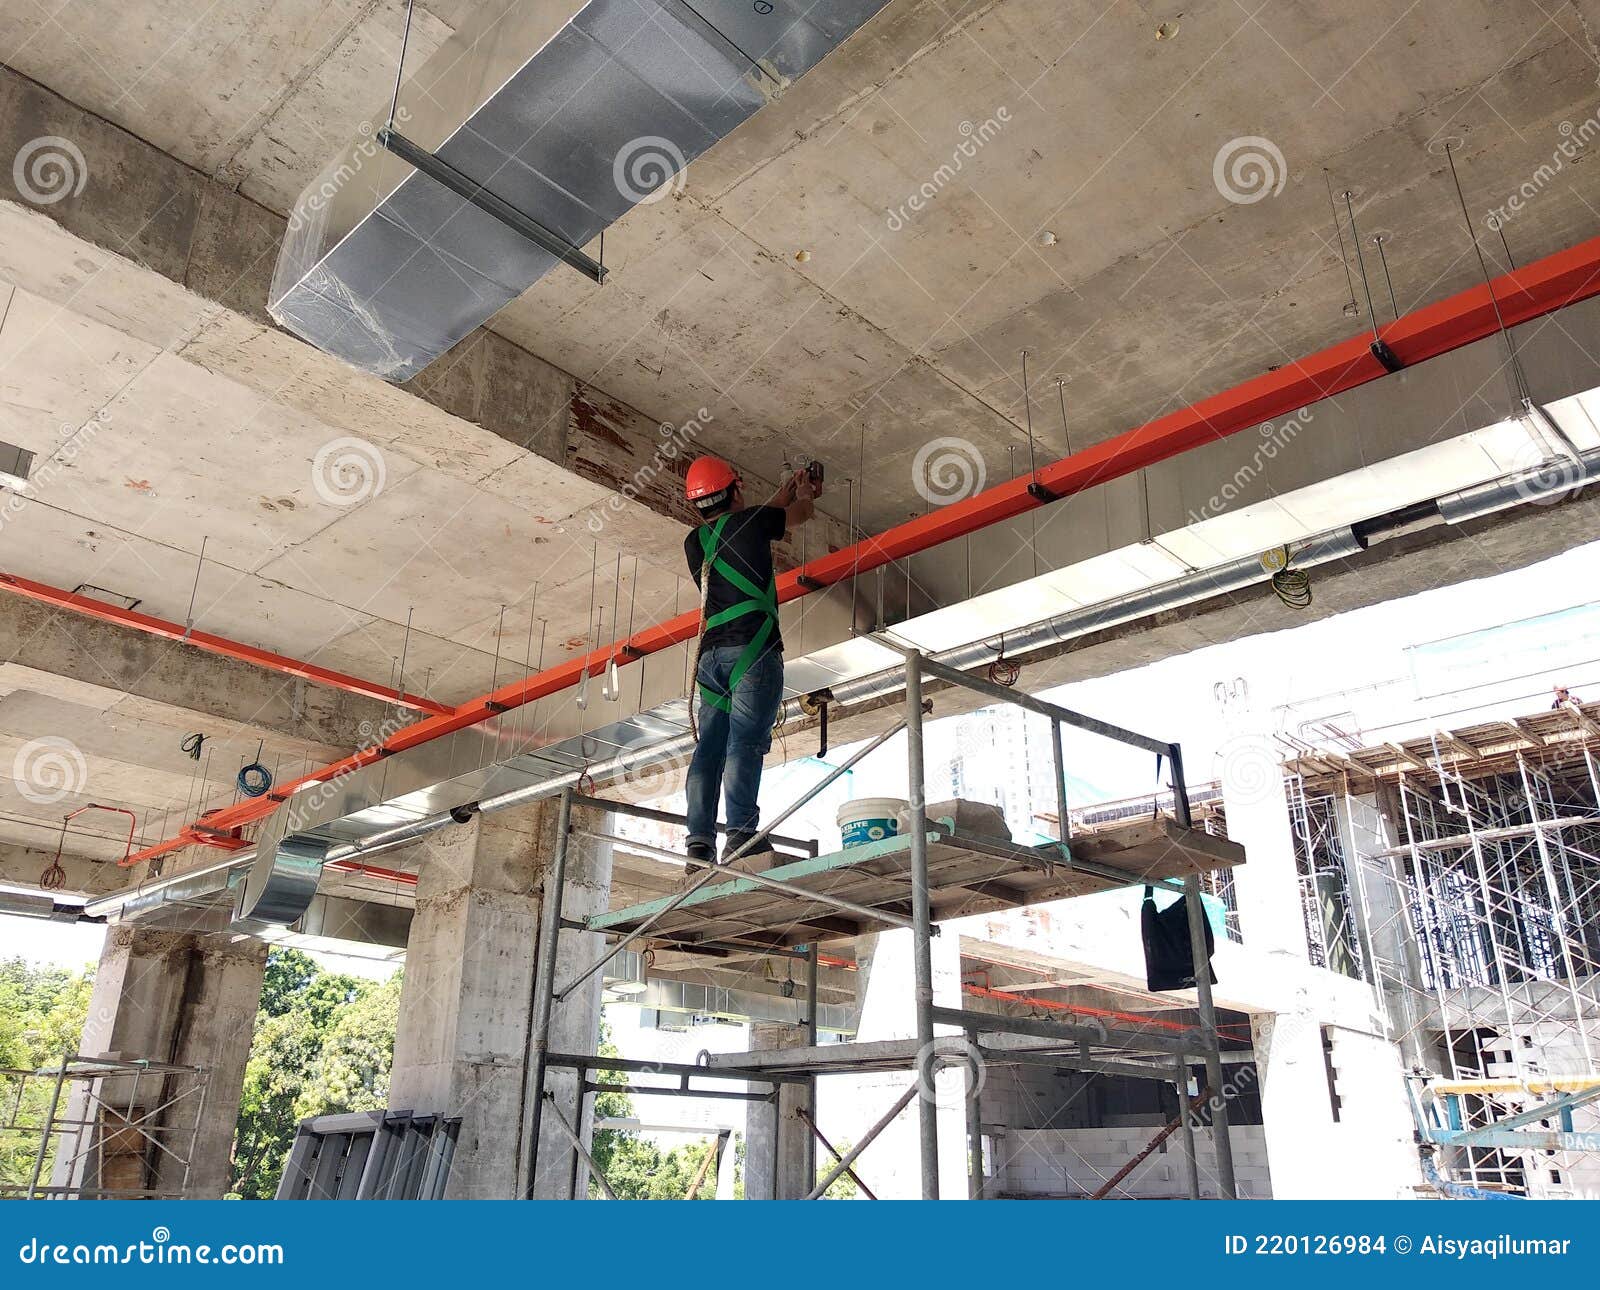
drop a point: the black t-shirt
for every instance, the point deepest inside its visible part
(746, 545)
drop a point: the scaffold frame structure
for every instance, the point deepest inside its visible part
(1468, 862)
(99, 1110)
(945, 1036)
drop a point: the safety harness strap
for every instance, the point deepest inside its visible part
(759, 600)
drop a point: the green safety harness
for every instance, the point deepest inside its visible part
(758, 600)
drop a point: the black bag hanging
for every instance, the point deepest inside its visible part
(1168, 949)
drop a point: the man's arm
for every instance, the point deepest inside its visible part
(796, 497)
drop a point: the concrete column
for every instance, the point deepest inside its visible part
(1381, 899)
(178, 997)
(777, 1156)
(1267, 885)
(466, 1006)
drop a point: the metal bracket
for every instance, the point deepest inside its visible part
(1390, 360)
(442, 172)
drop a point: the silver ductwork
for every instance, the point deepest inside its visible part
(1548, 482)
(627, 982)
(536, 126)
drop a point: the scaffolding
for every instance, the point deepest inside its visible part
(1459, 874)
(931, 871)
(104, 1129)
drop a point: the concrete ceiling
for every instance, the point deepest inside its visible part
(1020, 123)
(965, 179)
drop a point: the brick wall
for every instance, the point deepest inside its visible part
(1074, 1162)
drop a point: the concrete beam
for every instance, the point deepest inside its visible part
(23, 866)
(99, 665)
(139, 203)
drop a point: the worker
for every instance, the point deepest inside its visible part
(739, 673)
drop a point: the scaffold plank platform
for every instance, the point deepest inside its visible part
(967, 874)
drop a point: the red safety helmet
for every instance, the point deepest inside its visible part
(707, 478)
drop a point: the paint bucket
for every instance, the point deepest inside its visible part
(870, 819)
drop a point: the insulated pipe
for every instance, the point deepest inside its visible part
(1532, 291)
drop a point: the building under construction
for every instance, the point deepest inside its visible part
(353, 359)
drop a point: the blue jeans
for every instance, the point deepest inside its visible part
(732, 744)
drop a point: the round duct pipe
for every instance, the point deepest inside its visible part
(1542, 484)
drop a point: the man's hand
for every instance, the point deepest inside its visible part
(795, 495)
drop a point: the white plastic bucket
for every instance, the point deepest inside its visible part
(870, 819)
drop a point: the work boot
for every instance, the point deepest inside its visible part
(700, 855)
(732, 843)
(762, 857)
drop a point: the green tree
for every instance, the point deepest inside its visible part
(42, 1010)
(324, 1043)
(634, 1166)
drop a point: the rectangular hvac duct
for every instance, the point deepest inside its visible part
(568, 113)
